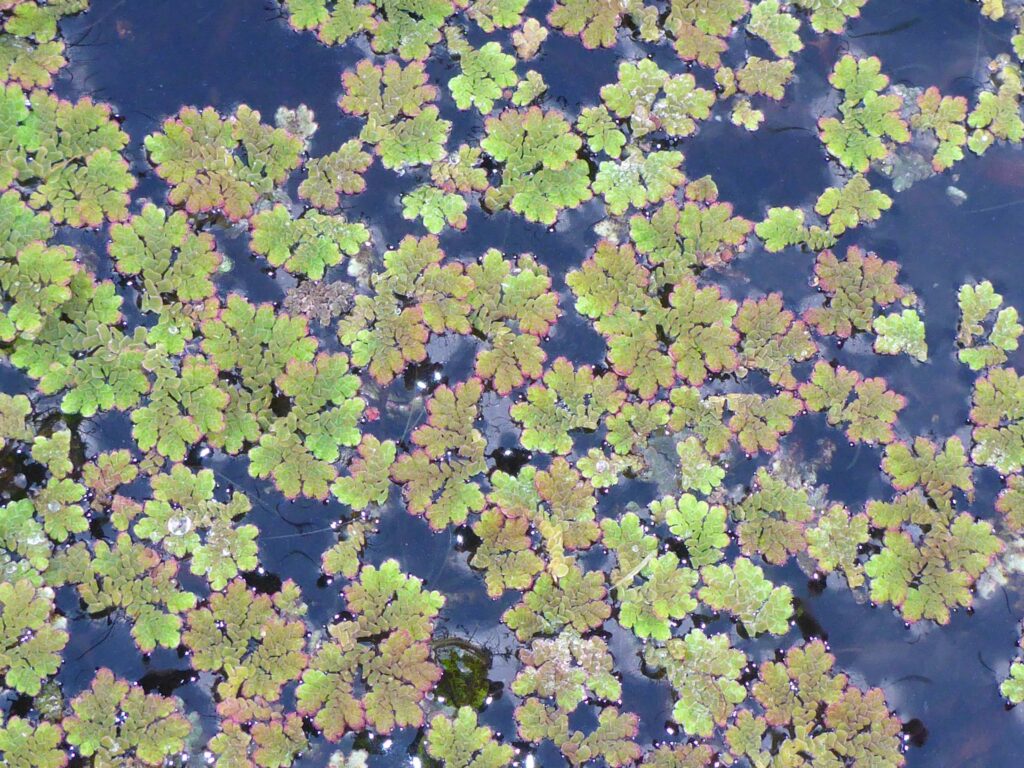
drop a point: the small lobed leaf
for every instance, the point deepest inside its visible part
(215, 163)
(742, 590)
(461, 743)
(114, 721)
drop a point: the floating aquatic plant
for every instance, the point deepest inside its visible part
(703, 233)
(338, 173)
(185, 519)
(985, 341)
(459, 741)
(765, 77)
(835, 542)
(853, 287)
(367, 479)
(758, 422)
(36, 283)
(147, 535)
(485, 72)
(227, 164)
(638, 179)
(64, 156)
(540, 171)
(373, 670)
(575, 599)
(601, 130)
(772, 518)
(529, 38)
(931, 554)
(869, 118)
(829, 15)
(835, 721)
(253, 732)
(132, 579)
(782, 228)
(776, 27)
(773, 340)
(742, 591)
(114, 721)
(307, 245)
(25, 745)
(698, 526)
(505, 553)
(628, 432)
(299, 449)
(597, 23)
(1010, 503)
(1013, 686)
(864, 406)
(664, 592)
(698, 324)
(436, 208)
(415, 295)
(31, 49)
(513, 307)
(493, 14)
(334, 21)
(697, 470)
(850, 205)
(439, 476)
(901, 333)
(566, 671)
(32, 636)
(254, 641)
(183, 407)
(998, 439)
(174, 267)
(700, 29)
(400, 118)
(651, 100)
(567, 399)
(705, 674)
(929, 579)
(944, 116)
(460, 171)
(996, 117)
(704, 416)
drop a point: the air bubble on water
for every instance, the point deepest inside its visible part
(53, 506)
(179, 526)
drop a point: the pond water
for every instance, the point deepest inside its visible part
(148, 58)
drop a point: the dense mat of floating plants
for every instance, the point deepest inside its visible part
(687, 367)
